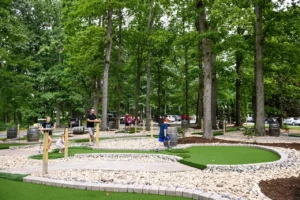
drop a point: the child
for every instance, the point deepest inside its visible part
(61, 143)
(163, 134)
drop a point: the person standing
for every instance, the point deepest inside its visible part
(163, 134)
(48, 126)
(91, 119)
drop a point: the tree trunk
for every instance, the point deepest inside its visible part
(120, 51)
(159, 84)
(138, 80)
(57, 114)
(106, 70)
(206, 44)
(186, 72)
(259, 72)
(239, 59)
(148, 112)
(96, 95)
(214, 93)
(19, 117)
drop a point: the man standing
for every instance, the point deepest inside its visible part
(91, 119)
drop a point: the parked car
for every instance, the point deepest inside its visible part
(297, 122)
(122, 119)
(177, 118)
(171, 118)
(290, 121)
(250, 118)
(74, 122)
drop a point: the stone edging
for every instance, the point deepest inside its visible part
(145, 189)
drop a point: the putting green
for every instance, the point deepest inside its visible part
(229, 155)
(28, 191)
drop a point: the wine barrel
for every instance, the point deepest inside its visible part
(274, 129)
(78, 130)
(12, 132)
(112, 124)
(184, 124)
(172, 132)
(33, 134)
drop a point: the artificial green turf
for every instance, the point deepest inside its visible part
(6, 146)
(229, 155)
(28, 191)
(197, 157)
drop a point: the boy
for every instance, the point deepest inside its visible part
(163, 133)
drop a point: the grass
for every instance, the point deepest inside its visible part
(82, 150)
(229, 155)
(198, 157)
(28, 191)
(216, 133)
(294, 135)
(13, 177)
(6, 146)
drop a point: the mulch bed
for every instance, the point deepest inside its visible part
(276, 189)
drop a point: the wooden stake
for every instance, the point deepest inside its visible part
(66, 142)
(119, 124)
(97, 135)
(144, 127)
(45, 153)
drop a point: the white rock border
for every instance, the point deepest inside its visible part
(145, 189)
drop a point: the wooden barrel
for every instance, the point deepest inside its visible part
(184, 124)
(172, 132)
(78, 130)
(33, 134)
(112, 124)
(274, 129)
(12, 132)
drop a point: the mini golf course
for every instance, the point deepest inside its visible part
(198, 156)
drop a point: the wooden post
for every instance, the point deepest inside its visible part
(202, 125)
(224, 127)
(97, 135)
(144, 127)
(45, 153)
(119, 124)
(66, 142)
(151, 129)
(135, 124)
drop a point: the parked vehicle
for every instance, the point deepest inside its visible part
(290, 121)
(177, 118)
(74, 122)
(122, 119)
(297, 122)
(250, 118)
(171, 118)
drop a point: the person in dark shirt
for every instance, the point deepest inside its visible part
(163, 133)
(48, 125)
(91, 119)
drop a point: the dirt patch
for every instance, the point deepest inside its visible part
(276, 189)
(193, 140)
(284, 188)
